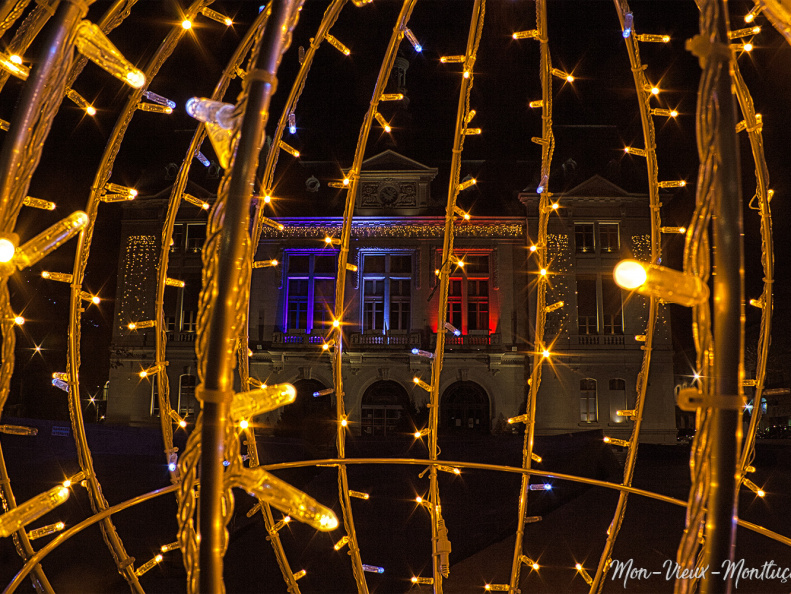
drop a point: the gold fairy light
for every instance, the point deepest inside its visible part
(202, 204)
(154, 107)
(530, 34)
(92, 43)
(216, 16)
(32, 509)
(652, 38)
(337, 45)
(174, 282)
(38, 203)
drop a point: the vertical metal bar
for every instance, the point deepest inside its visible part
(220, 348)
(727, 309)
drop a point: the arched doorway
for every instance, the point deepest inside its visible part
(465, 407)
(384, 405)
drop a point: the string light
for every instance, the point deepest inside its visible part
(425, 581)
(154, 108)
(38, 203)
(92, 43)
(149, 371)
(382, 122)
(421, 383)
(17, 518)
(678, 230)
(152, 96)
(668, 113)
(172, 282)
(497, 587)
(519, 419)
(203, 159)
(47, 241)
(413, 40)
(627, 413)
(466, 184)
(300, 574)
(216, 16)
(292, 123)
(142, 324)
(391, 97)
(538, 103)
(531, 34)
(148, 565)
(754, 12)
(212, 112)
(452, 329)
(652, 38)
(45, 530)
(657, 281)
(196, 201)
(753, 487)
(186, 24)
(585, 575)
(373, 568)
(561, 74)
(555, 306)
(85, 296)
(332, 240)
(617, 442)
(672, 184)
(628, 23)
(289, 149)
(270, 223)
(180, 422)
(634, 151)
(341, 543)
(169, 547)
(422, 353)
(759, 303)
(421, 433)
(337, 44)
(13, 67)
(744, 32)
(265, 263)
(452, 59)
(324, 392)
(540, 487)
(261, 400)
(81, 102)
(18, 430)
(359, 494)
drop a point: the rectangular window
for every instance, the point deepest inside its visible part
(190, 296)
(468, 294)
(387, 292)
(588, 401)
(583, 237)
(154, 411)
(196, 237)
(187, 405)
(609, 240)
(587, 318)
(310, 291)
(177, 238)
(611, 307)
(617, 400)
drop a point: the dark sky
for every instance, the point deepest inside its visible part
(594, 118)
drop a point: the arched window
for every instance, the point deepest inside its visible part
(465, 407)
(589, 405)
(383, 406)
(617, 399)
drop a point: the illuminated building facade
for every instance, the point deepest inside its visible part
(390, 320)
(597, 337)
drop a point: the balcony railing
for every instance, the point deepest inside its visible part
(359, 339)
(598, 340)
(181, 337)
(296, 339)
(469, 340)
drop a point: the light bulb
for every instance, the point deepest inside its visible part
(7, 249)
(186, 24)
(630, 274)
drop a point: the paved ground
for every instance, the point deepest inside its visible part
(479, 508)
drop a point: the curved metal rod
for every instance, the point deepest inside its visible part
(20, 155)
(547, 149)
(513, 470)
(649, 140)
(340, 285)
(98, 502)
(67, 534)
(753, 127)
(77, 528)
(440, 548)
(174, 202)
(225, 291)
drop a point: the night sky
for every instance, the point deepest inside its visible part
(594, 118)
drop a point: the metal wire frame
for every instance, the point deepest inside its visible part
(713, 462)
(649, 139)
(129, 503)
(340, 284)
(21, 152)
(547, 149)
(123, 561)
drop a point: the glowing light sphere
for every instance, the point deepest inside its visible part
(7, 249)
(19, 320)
(186, 24)
(90, 110)
(630, 274)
